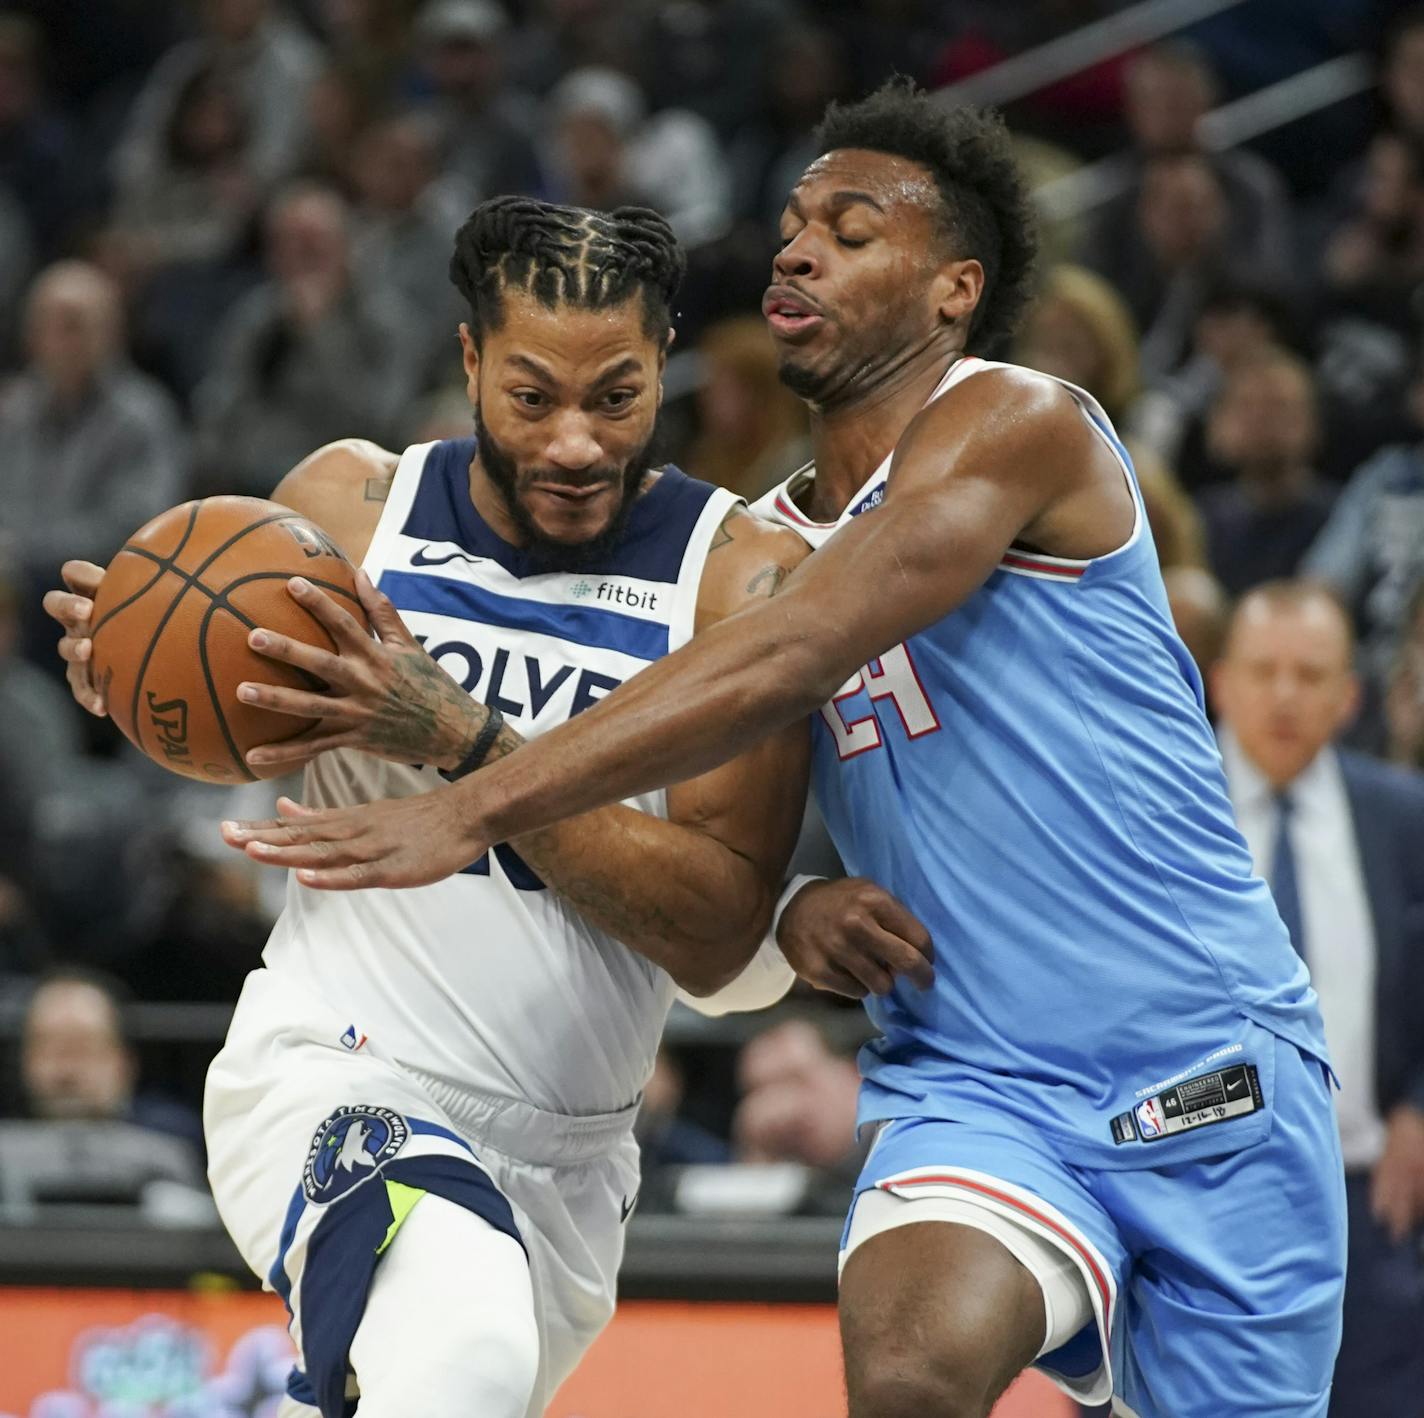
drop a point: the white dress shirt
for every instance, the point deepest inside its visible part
(1335, 915)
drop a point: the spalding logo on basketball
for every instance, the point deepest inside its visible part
(349, 1147)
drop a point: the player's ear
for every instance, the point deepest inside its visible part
(470, 357)
(957, 288)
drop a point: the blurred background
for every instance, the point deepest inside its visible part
(224, 228)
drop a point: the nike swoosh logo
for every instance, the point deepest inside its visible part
(1239, 1086)
(627, 1206)
(420, 558)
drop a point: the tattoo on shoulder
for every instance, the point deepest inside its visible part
(723, 536)
(767, 581)
(379, 489)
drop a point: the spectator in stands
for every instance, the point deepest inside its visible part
(1081, 330)
(270, 63)
(1181, 241)
(311, 355)
(1374, 261)
(1402, 73)
(711, 58)
(1371, 551)
(559, 36)
(41, 160)
(605, 150)
(798, 1101)
(665, 1137)
(752, 429)
(1340, 838)
(1169, 89)
(402, 231)
(1264, 427)
(770, 152)
(486, 128)
(92, 447)
(78, 1065)
(192, 201)
(1237, 320)
(1404, 701)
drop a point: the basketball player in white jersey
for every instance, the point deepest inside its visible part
(444, 1081)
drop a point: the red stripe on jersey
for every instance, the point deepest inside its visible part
(1059, 1230)
(1044, 568)
(787, 508)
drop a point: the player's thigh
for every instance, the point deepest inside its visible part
(935, 1317)
(448, 1327)
(969, 1252)
(573, 1222)
(1234, 1304)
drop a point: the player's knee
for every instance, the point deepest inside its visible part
(908, 1385)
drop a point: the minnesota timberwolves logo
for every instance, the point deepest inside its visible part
(348, 1147)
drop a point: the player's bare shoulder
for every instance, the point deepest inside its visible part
(747, 561)
(342, 487)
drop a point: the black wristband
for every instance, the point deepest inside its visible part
(479, 750)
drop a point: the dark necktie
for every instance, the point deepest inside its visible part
(1285, 886)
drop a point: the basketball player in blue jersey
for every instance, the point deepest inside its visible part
(1104, 1141)
(420, 1126)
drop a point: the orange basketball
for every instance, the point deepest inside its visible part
(171, 622)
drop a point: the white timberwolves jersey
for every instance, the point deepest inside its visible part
(488, 980)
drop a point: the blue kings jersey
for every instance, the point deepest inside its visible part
(1034, 776)
(487, 980)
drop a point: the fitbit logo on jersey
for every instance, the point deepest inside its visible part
(613, 592)
(349, 1147)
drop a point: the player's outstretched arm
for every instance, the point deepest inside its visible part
(1004, 457)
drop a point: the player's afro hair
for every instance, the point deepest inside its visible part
(987, 215)
(565, 256)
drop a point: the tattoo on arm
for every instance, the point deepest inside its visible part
(723, 536)
(767, 581)
(424, 713)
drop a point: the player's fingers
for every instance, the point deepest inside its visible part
(340, 624)
(898, 919)
(385, 619)
(323, 664)
(322, 853)
(325, 825)
(837, 981)
(74, 649)
(355, 877)
(900, 957)
(854, 961)
(299, 702)
(70, 610)
(82, 577)
(290, 807)
(294, 752)
(82, 688)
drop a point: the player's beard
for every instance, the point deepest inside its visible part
(508, 479)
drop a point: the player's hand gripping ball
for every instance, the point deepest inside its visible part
(171, 622)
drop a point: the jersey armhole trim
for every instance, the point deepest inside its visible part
(404, 486)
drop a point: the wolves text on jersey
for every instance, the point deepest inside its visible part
(519, 686)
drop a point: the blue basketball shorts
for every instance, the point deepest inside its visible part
(1215, 1285)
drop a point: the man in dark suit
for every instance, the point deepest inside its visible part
(1340, 837)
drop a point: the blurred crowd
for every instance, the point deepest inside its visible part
(224, 232)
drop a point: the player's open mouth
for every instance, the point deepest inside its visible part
(789, 313)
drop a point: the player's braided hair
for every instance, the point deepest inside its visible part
(987, 212)
(565, 256)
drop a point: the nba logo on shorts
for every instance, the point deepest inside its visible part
(1150, 1119)
(349, 1147)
